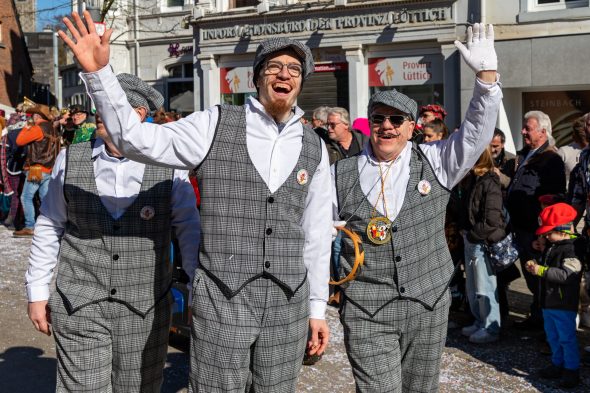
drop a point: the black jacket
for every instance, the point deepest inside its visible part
(481, 208)
(335, 151)
(15, 155)
(560, 285)
(543, 173)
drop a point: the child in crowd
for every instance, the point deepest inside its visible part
(560, 271)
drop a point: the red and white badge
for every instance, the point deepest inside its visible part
(302, 177)
(424, 187)
(147, 213)
(100, 27)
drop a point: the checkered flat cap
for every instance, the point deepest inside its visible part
(140, 94)
(272, 45)
(394, 99)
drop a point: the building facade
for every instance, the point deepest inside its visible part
(15, 65)
(364, 46)
(27, 14)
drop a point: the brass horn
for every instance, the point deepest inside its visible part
(28, 104)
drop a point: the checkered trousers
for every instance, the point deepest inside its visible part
(247, 231)
(399, 349)
(124, 260)
(416, 264)
(256, 338)
(106, 347)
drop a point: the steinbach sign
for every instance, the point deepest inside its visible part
(390, 18)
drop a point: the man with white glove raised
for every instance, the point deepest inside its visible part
(394, 195)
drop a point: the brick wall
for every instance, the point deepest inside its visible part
(15, 64)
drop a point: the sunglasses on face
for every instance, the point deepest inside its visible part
(395, 120)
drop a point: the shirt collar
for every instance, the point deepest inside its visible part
(256, 106)
(99, 149)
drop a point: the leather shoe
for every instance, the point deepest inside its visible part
(25, 232)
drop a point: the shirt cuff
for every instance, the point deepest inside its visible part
(94, 81)
(317, 309)
(37, 293)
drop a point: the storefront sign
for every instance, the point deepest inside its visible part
(562, 107)
(237, 80)
(404, 71)
(175, 50)
(330, 67)
(390, 18)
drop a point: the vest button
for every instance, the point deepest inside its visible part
(115, 257)
(402, 290)
(268, 231)
(270, 200)
(267, 264)
(113, 291)
(394, 228)
(398, 258)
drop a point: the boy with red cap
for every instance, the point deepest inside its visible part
(560, 274)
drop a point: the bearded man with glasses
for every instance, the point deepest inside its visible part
(262, 280)
(394, 195)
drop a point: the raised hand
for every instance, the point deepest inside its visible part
(91, 50)
(479, 54)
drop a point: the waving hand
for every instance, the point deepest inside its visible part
(91, 50)
(479, 52)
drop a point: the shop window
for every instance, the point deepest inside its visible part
(184, 70)
(174, 3)
(242, 3)
(180, 88)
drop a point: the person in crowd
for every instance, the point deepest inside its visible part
(106, 224)
(12, 160)
(17, 119)
(67, 130)
(570, 154)
(262, 281)
(435, 130)
(431, 112)
(559, 272)
(361, 124)
(43, 146)
(538, 171)
(394, 196)
(319, 120)
(483, 224)
(504, 161)
(342, 140)
(83, 130)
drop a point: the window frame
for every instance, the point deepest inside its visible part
(531, 11)
(556, 5)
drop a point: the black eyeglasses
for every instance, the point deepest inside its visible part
(395, 120)
(275, 67)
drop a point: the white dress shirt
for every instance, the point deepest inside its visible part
(186, 142)
(118, 182)
(450, 159)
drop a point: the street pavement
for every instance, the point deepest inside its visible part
(27, 358)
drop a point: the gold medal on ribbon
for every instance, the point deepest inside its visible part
(379, 230)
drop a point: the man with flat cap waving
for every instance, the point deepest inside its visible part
(394, 195)
(263, 274)
(108, 222)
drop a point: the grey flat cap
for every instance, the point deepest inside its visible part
(272, 45)
(140, 94)
(394, 99)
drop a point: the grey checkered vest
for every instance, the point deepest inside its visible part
(247, 232)
(124, 260)
(416, 264)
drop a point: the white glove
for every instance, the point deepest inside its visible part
(336, 224)
(479, 54)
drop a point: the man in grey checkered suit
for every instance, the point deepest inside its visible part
(263, 274)
(394, 195)
(108, 220)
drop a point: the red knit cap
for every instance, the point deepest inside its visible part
(437, 110)
(555, 215)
